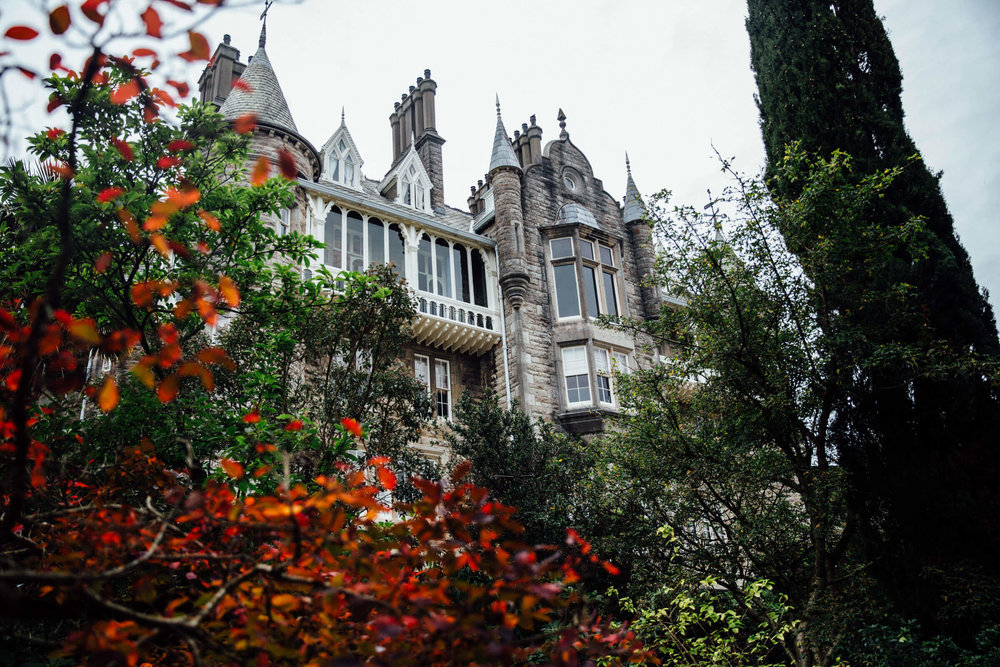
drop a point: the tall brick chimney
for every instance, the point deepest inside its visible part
(413, 120)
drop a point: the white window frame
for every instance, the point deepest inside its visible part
(569, 365)
(438, 364)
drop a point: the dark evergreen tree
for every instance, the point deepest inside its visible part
(919, 431)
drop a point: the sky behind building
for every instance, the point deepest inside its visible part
(666, 81)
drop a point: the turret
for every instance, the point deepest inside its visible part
(634, 214)
(275, 129)
(505, 177)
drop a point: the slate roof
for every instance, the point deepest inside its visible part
(503, 152)
(634, 208)
(264, 97)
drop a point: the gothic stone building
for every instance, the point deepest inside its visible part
(509, 290)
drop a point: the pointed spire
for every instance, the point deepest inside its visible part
(262, 94)
(262, 40)
(634, 208)
(563, 134)
(503, 153)
(342, 117)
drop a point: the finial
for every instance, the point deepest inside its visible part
(628, 167)
(563, 134)
(341, 115)
(498, 104)
(263, 28)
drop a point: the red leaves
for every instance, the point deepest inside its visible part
(182, 88)
(103, 261)
(352, 426)
(294, 425)
(252, 417)
(59, 20)
(386, 478)
(199, 48)
(261, 169)
(210, 220)
(109, 194)
(21, 32)
(107, 397)
(89, 9)
(240, 84)
(245, 123)
(168, 161)
(286, 164)
(54, 133)
(229, 291)
(167, 390)
(124, 149)
(125, 92)
(232, 468)
(152, 21)
(178, 145)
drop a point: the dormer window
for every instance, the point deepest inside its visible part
(342, 160)
(412, 184)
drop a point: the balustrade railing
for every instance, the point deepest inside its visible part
(456, 311)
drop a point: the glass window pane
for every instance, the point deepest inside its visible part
(586, 249)
(462, 289)
(376, 241)
(421, 370)
(590, 290)
(479, 278)
(334, 169)
(442, 376)
(610, 296)
(443, 278)
(355, 242)
(424, 264)
(562, 247)
(419, 203)
(567, 293)
(607, 257)
(406, 192)
(575, 361)
(397, 249)
(332, 237)
(348, 171)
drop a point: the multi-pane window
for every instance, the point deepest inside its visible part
(284, 223)
(577, 376)
(354, 241)
(341, 166)
(442, 388)
(576, 372)
(451, 270)
(441, 383)
(585, 278)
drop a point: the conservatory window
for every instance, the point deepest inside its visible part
(355, 242)
(443, 269)
(424, 264)
(332, 236)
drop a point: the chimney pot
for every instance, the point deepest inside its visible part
(533, 119)
(524, 127)
(412, 88)
(226, 39)
(420, 80)
(395, 106)
(427, 74)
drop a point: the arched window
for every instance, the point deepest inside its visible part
(479, 279)
(397, 249)
(443, 268)
(376, 241)
(407, 195)
(424, 262)
(463, 289)
(332, 232)
(355, 259)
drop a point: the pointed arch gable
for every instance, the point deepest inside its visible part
(412, 182)
(342, 160)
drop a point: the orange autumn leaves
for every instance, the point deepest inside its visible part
(287, 167)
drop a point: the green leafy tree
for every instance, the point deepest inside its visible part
(732, 445)
(524, 464)
(920, 444)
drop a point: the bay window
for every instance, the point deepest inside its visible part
(585, 278)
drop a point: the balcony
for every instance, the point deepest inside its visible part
(455, 326)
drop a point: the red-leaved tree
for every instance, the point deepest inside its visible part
(136, 562)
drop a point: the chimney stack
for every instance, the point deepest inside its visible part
(217, 79)
(413, 120)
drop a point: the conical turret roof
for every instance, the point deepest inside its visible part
(262, 95)
(634, 208)
(503, 152)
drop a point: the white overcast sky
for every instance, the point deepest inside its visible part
(664, 80)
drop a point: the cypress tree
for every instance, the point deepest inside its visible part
(920, 439)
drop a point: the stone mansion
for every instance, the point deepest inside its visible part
(508, 290)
